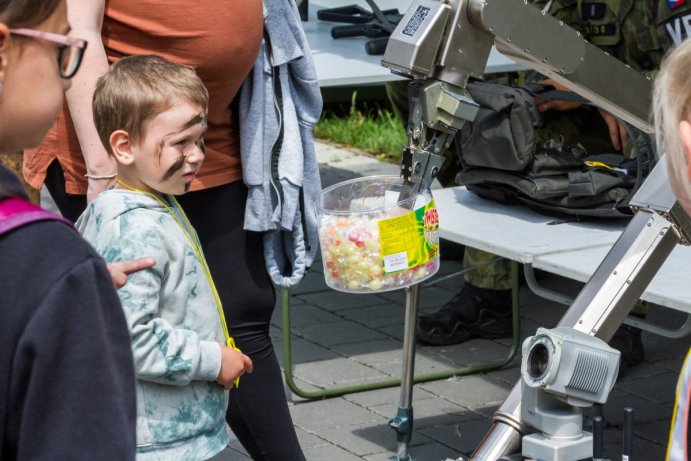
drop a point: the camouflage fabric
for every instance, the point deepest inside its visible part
(483, 272)
(673, 22)
(582, 126)
(627, 29)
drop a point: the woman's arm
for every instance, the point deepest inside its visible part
(86, 19)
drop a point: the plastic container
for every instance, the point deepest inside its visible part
(372, 242)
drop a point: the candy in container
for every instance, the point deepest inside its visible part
(371, 241)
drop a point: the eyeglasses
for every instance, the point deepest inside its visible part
(70, 50)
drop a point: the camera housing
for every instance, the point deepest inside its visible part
(563, 370)
(573, 366)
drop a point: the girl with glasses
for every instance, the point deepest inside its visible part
(32, 50)
(66, 371)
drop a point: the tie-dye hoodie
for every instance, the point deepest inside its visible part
(174, 324)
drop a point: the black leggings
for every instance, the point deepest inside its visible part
(71, 206)
(258, 411)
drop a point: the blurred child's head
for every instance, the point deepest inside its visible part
(150, 114)
(36, 60)
(672, 105)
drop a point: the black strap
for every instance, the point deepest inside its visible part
(276, 148)
(549, 93)
(17, 212)
(351, 14)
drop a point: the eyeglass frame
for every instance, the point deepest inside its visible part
(63, 40)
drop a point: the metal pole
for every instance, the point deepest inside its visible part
(412, 301)
(402, 423)
(627, 445)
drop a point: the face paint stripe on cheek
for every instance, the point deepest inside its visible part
(174, 168)
(159, 150)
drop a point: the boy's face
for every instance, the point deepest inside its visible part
(168, 157)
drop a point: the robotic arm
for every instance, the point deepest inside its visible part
(439, 44)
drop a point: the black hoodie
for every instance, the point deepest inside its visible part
(66, 372)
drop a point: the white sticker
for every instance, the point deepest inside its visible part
(416, 20)
(396, 262)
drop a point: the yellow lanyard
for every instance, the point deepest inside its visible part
(197, 248)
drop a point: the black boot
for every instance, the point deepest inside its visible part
(472, 313)
(627, 340)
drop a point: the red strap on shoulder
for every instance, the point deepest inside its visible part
(16, 212)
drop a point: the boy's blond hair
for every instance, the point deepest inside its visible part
(137, 89)
(672, 104)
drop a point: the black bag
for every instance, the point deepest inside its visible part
(505, 126)
(500, 160)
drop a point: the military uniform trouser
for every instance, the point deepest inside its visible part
(485, 270)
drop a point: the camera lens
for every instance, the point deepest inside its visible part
(538, 360)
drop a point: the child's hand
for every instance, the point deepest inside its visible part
(233, 364)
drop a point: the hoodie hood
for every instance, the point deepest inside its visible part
(112, 204)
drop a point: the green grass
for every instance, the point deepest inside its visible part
(377, 130)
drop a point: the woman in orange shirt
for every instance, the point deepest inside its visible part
(221, 40)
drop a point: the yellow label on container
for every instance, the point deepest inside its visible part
(411, 239)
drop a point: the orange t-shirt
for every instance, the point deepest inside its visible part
(220, 38)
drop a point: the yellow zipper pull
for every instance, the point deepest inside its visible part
(593, 163)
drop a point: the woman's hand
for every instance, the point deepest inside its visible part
(617, 132)
(555, 104)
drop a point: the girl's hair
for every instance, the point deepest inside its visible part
(671, 105)
(10, 185)
(26, 13)
(138, 88)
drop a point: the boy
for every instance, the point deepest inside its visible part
(151, 115)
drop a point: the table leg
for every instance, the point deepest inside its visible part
(386, 383)
(561, 298)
